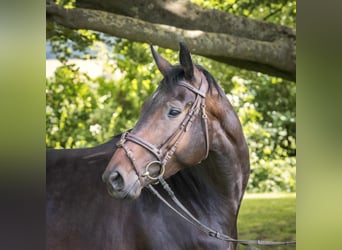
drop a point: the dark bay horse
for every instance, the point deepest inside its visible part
(189, 134)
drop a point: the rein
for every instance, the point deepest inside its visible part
(210, 232)
(163, 158)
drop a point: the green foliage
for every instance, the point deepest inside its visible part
(266, 108)
(84, 112)
(66, 43)
(69, 102)
(277, 11)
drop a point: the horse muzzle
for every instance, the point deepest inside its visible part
(120, 186)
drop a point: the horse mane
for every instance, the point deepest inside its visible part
(177, 74)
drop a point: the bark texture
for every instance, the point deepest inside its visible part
(235, 40)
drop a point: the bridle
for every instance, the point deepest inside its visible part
(162, 158)
(164, 153)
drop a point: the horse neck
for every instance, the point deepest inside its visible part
(227, 166)
(194, 187)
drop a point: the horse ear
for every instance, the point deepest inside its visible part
(163, 65)
(186, 62)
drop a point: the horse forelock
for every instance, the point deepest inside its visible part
(176, 74)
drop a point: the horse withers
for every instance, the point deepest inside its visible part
(189, 134)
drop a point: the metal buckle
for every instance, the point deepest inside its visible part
(147, 173)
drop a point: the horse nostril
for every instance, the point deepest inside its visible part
(116, 181)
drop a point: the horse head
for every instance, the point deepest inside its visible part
(171, 133)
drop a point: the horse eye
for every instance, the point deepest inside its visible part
(173, 112)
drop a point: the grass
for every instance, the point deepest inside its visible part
(270, 217)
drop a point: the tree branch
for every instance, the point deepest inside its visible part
(275, 58)
(185, 15)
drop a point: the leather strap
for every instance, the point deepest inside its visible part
(165, 152)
